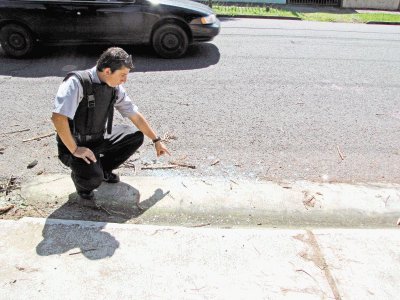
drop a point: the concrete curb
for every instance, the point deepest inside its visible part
(296, 19)
(383, 23)
(260, 17)
(222, 201)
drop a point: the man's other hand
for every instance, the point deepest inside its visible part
(85, 153)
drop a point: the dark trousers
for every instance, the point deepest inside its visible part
(110, 152)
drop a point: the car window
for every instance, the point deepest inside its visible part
(102, 1)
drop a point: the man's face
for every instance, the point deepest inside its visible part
(118, 77)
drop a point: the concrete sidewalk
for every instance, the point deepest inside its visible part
(53, 259)
(218, 201)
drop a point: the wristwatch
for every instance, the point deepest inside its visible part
(157, 139)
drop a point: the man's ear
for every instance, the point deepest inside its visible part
(107, 71)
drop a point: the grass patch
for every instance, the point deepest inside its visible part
(320, 17)
(252, 11)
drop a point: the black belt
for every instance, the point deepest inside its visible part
(86, 138)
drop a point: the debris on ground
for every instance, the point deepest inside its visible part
(32, 164)
(5, 209)
(2, 150)
(8, 186)
(200, 225)
(234, 181)
(206, 182)
(37, 138)
(168, 137)
(130, 164)
(185, 165)
(310, 199)
(17, 131)
(83, 251)
(340, 152)
(215, 162)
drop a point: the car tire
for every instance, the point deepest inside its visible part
(170, 41)
(15, 40)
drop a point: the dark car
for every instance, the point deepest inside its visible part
(169, 26)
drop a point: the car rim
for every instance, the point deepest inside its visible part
(171, 41)
(17, 41)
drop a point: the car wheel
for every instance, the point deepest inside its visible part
(15, 40)
(170, 41)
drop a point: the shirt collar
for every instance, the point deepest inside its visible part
(93, 74)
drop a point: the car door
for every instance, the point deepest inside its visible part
(109, 21)
(49, 20)
(61, 20)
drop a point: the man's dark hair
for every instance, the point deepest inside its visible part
(114, 58)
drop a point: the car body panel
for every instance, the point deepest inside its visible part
(114, 21)
(25, 23)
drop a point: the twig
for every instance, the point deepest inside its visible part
(308, 202)
(340, 152)
(102, 208)
(301, 270)
(39, 137)
(17, 131)
(180, 103)
(259, 253)
(110, 211)
(10, 184)
(130, 165)
(159, 167)
(160, 230)
(198, 289)
(182, 165)
(385, 201)
(201, 225)
(37, 210)
(234, 182)
(184, 185)
(206, 182)
(182, 158)
(83, 251)
(3, 210)
(215, 162)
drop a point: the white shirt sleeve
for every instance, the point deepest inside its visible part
(124, 104)
(69, 95)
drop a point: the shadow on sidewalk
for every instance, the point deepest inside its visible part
(119, 203)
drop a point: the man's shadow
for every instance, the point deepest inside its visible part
(118, 203)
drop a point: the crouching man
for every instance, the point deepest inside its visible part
(83, 114)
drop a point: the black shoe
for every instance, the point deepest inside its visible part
(86, 195)
(110, 177)
(87, 199)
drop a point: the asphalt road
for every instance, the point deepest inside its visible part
(269, 99)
